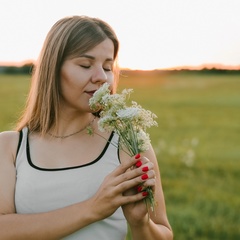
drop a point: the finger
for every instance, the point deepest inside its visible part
(145, 159)
(141, 161)
(147, 166)
(133, 198)
(149, 183)
(124, 166)
(128, 180)
(134, 173)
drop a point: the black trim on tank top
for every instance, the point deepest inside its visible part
(67, 168)
(19, 142)
(118, 151)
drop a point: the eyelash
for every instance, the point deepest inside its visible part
(87, 67)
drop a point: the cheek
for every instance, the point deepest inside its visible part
(67, 84)
(64, 78)
(64, 84)
(71, 79)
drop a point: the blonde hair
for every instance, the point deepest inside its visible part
(67, 38)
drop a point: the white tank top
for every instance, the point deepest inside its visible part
(42, 190)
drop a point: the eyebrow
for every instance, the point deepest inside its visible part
(93, 58)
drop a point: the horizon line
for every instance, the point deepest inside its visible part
(207, 66)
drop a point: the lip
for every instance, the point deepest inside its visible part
(90, 92)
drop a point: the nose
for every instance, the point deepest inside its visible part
(99, 75)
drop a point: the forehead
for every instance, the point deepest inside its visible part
(104, 48)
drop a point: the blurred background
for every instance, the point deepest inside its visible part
(182, 58)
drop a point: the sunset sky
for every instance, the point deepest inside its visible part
(153, 33)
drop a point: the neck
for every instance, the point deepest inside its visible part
(72, 126)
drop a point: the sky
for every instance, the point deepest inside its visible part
(153, 34)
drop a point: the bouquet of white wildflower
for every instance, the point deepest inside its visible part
(129, 122)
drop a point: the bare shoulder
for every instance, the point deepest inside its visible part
(9, 137)
(8, 148)
(9, 134)
(8, 144)
(150, 154)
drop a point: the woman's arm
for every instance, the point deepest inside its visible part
(154, 226)
(62, 222)
(51, 225)
(151, 231)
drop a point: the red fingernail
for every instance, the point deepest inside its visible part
(145, 169)
(144, 177)
(138, 164)
(139, 188)
(144, 194)
(137, 156)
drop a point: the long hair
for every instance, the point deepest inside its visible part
(67, 38)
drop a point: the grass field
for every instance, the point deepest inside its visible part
(197, 144)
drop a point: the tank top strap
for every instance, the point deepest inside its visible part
(21, 150)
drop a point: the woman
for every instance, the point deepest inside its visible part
(57, 181)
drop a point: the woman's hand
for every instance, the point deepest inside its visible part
(136, 213)
(144, 223)
(119, 189)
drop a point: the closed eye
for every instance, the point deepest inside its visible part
(108, 66)
(85, 66)
(107, 69)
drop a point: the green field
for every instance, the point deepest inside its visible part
(197, 144)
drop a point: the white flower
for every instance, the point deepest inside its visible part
(143, 140)
(106, 123)
(128, 113)
(130, 123)
(96, 101)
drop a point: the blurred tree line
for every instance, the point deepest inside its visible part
(28, 68)
(25, 69)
